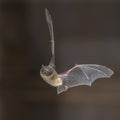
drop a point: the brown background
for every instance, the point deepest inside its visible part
(85, 32)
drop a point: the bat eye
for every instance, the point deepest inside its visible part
(47, 73)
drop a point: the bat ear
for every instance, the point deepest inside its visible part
(43, 66)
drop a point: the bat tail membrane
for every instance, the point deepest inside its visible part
(61, 89)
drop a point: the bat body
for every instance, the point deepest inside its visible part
(51, 76)
(84, 74)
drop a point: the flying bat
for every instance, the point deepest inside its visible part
(84, 74)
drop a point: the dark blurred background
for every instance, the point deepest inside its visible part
(86, 32)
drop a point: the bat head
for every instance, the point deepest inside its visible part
(46, 70)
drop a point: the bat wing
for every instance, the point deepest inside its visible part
(50, 26)
(84, 74)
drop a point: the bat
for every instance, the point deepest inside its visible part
(84, 74)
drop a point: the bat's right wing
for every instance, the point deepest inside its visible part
(84, 74)
(50, 25)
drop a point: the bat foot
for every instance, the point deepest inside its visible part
(61, 89)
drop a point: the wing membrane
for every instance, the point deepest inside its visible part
(50, 26)
(84, 74)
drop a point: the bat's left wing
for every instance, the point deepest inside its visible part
(50, 26)
(84, 74)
